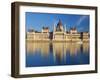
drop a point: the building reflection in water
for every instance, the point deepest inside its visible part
(33, 47)
(56, 53)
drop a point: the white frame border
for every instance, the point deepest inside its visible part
(53, 69)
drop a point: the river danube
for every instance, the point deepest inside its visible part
(56, 54)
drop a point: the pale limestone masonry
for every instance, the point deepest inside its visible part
(58, 34)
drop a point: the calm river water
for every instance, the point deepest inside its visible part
(56, 54)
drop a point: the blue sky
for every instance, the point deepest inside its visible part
(38, 20)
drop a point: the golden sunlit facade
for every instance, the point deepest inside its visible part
(59, 34)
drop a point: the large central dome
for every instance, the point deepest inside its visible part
(59, 26)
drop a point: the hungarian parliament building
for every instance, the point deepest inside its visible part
(59, 33)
